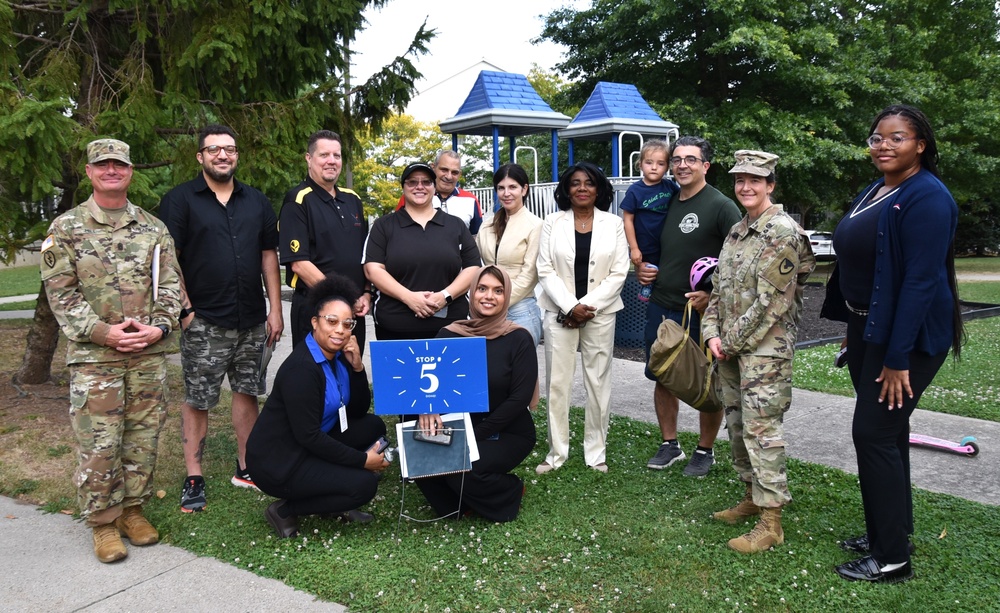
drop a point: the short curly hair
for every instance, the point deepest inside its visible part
(605, 193)
(333, 288)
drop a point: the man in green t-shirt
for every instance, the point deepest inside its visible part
(698, 219)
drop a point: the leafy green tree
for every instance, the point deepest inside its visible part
(152, 72)
(801, 79)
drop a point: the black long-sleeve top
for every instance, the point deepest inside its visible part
(512, 370)
(288, 429)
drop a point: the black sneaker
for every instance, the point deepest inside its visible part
(701, 462)
(667, 454)
(242, 478)
(193, 495)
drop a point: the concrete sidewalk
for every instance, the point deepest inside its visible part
(48, 564)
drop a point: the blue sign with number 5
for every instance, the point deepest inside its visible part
(440, 375)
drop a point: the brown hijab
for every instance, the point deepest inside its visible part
(493, 326)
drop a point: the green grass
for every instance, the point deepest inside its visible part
(27, 305)
(978, 265)
(979, 291)
(969, 387)
(20, 281)
(631, 540)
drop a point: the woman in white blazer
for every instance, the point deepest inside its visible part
(583, 260)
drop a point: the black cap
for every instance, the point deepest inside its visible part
(414, 167)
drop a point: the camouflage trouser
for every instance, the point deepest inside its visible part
(117, 410)
(756, 392)
(210, 352)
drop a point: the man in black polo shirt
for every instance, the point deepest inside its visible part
(226, 237)
(323, 229)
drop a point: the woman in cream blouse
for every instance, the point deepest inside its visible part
(510, 240)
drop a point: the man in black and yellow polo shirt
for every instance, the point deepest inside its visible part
(322, 229)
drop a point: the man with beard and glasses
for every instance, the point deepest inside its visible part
(226, 234)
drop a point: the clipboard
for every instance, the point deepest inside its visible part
(418, 459)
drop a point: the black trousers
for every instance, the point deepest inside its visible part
(488, 489)
(319, 487)
(881, 440)
(301, 323)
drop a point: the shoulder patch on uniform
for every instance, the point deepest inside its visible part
(780, 269)
(49, 258)
(302, 194)
(294, 246)
(48, 242)
(347, 191)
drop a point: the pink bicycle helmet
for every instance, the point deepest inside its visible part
(701, 274)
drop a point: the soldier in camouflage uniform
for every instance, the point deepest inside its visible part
(750, 326)
(111, 279)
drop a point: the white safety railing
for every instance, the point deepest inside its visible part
(541, 197)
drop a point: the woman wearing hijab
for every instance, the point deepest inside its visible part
(506, 434)
(314, 444)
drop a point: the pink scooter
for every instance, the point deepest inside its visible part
(967, 446)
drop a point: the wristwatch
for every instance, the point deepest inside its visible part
(165, 331)
(447, 296)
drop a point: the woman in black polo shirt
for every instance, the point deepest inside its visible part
(422, 261)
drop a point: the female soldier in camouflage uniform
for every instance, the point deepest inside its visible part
(750, 326)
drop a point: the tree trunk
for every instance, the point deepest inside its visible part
(36, 367)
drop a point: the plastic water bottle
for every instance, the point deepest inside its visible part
(645, 291)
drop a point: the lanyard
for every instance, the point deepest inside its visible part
(335, 395)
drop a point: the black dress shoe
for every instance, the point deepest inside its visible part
(355, 515)
(868, 569)
(861, 544)
(285, 527)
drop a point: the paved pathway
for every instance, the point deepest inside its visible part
(34, 543)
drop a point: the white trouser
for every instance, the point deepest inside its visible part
(596, 344)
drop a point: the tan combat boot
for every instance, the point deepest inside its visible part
(136, 527)
(764, 535)
(108, 545)
(740, 511)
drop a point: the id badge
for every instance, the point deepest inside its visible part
(342, 411)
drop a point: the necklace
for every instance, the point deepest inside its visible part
(873, 202)
(583, 223)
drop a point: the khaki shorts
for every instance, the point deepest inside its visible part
(210, 352)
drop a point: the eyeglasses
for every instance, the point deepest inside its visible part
(215, 149)
(875, 141)
(688, 160)
(411, 183)
(335, 322)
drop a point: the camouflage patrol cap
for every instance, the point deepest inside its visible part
(758, 163)
(107, 149)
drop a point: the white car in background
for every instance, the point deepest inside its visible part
(822, 244)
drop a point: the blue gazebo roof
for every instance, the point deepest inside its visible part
(614, 108)
(505, 101)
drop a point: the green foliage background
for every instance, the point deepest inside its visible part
(804, 79)
(152, 72)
